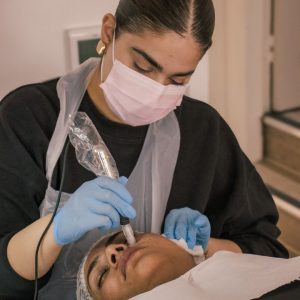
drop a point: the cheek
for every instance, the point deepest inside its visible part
(123, 54)
(113, 289)
(154, 270)
(150, 272)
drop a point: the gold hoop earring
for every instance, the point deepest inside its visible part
(101, 48)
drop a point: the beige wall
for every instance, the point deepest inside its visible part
(287, 55)
(239, 65)
(232, 77)
(239, 69)
(33, 45)
(32, 36)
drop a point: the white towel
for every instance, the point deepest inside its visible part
(197, 252)
(228, 275)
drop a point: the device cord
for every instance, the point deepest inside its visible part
(50, 222)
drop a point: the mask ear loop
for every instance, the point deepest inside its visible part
(113, 56)
(101, 71)
(113, 49)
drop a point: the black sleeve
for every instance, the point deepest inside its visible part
(252, 213)
(24, 137)
(215, 177)
(254, 227)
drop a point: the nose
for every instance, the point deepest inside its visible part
(114, 254)
(160, 78)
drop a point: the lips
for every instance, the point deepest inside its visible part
(127, 255)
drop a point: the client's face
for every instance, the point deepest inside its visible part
(114, 270)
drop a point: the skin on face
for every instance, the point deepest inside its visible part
(115, 271)
(165, 57)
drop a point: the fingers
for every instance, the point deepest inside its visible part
(104, 212)
(102, 222)
(204, 230)
(202, 222)
(191, 236)
(176, 225)
(97, 202)
(115, 186)
(109, 191)
(123, 180)
(170, 224)
(181, 227)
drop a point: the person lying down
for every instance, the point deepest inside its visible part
(114, 271)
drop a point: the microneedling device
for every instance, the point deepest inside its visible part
(92, 153)
(111, 171)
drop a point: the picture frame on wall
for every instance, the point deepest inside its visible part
(81, 44)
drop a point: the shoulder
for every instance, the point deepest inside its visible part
(197, 111)
(200, 121)
(32, 95)
(198, 115)
(189, 103)
(31, 104)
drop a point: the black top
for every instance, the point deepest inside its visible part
(212, 173)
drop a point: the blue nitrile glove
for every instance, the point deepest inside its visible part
(188, 224)
(95, 204)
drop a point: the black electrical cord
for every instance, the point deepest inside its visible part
(50, 222)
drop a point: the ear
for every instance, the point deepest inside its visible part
(107, 30)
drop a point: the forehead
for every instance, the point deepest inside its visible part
(168, 48)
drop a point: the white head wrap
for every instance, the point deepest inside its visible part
(82, 292)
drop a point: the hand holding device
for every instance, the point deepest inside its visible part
(95, 204)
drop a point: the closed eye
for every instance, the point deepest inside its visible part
(138, 68)
(102, 277)
(176, 83)
(144, 71)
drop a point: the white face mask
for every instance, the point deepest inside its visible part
(137, 99)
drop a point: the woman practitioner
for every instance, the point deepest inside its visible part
(175, 151)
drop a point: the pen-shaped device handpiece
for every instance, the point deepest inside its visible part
(112, 172)
(92, 153)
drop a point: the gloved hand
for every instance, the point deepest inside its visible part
(188, 224)
(95, 204)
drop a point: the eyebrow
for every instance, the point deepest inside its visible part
(157, 65)
(90, 269)
(148, 58)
